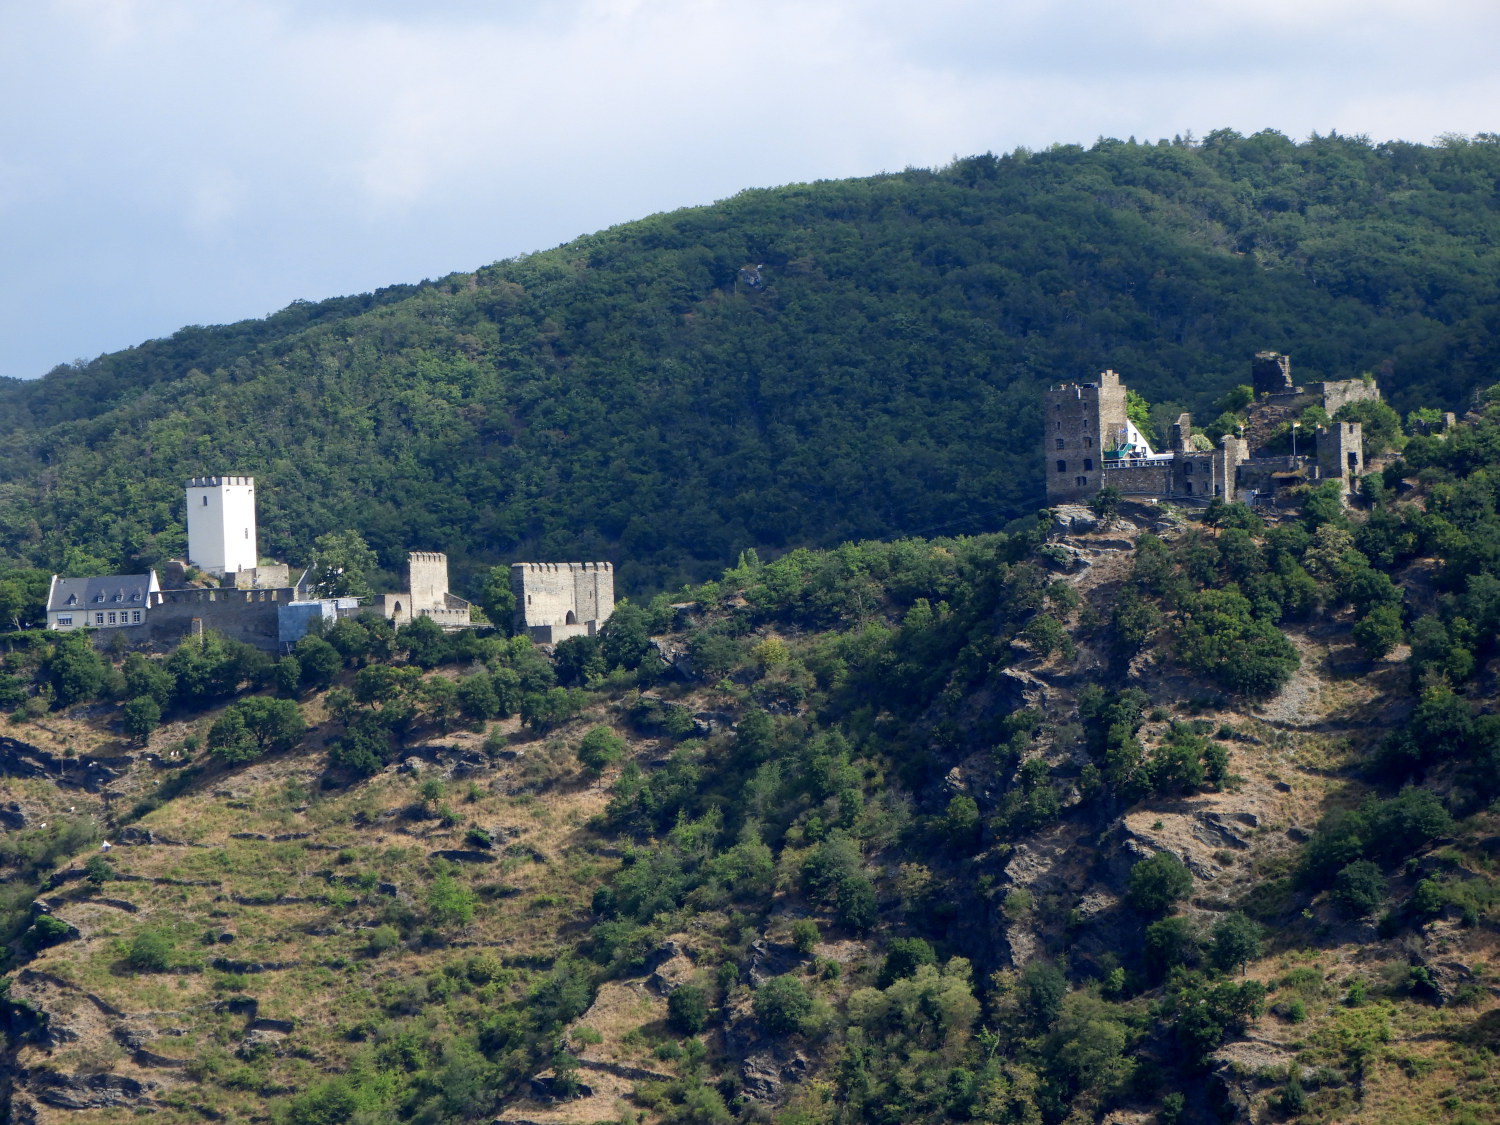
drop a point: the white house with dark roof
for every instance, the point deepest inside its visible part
(101, 603)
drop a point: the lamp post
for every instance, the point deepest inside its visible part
(1294, 438)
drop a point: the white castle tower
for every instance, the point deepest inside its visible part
(221, 524)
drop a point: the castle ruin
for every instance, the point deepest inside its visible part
(1089, 442)
(555, 601)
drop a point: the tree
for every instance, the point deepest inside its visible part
(74, 669)
(145, 676)
(1379, 631)
(687, 1009)
(903, 957)
(578, 660)
(98, 870)
(783, 1004)
(318, 662)
(627, 641)
(1236, 942)
(498, 600)
(425, 642)
(449, 902)
(258, 725)
(600, 748)
(1358, 889)
(287, 676)
(854, 905)
(1156, 883)
(1106, 503)
(141, 716)
(342, 562)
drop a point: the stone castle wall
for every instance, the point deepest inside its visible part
(559, 600)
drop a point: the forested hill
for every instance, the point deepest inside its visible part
(800, 365)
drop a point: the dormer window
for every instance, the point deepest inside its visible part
(72, 599)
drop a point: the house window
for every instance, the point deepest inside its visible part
(1062, 466)
(247, 533)
(98, 619)
(1061, 444)
(1188, 488)
(112, 619)
(135, 617)
(1081, 482)
(1187, 469)
(65, 619)
(1088, 443)
(205, 501)
(1088, 462)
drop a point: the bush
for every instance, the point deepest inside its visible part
(150, 951)
(1358, 889)
(45, 931)
(782, 1005)
(1158, 882)
(98, 870)
(687, 1009)
(903, 957)
(600, 748)
(141, 716)
(255, 726)
(804, 935)
(854, 905)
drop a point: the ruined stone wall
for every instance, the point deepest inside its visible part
(1341, 452)
(1345, 391)
(249, 616)
(1151, 479)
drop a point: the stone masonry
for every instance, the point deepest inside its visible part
(1088, 442)
(555, 601)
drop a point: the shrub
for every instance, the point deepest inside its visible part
(600, 748)
(1358, 889)
(150, 951)
(98, 870)
(903, 957)
(782, 1005)
(687, 1009)
(804, 935)
(45, 931)
(140, 717)
(1158, 882)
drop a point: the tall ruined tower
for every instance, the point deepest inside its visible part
(1082, 421)
(221, 524)
(1271, 374)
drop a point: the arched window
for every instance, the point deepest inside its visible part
(571, 619)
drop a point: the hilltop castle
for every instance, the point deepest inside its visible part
(1089, 442)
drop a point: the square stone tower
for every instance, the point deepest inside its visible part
(1082, 420)
(428, 571)
(555, 601)
(221, 524)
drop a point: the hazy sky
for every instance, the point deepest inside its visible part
(171, 162)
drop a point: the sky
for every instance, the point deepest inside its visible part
(175, 162)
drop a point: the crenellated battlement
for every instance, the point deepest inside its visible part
(559, 600)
